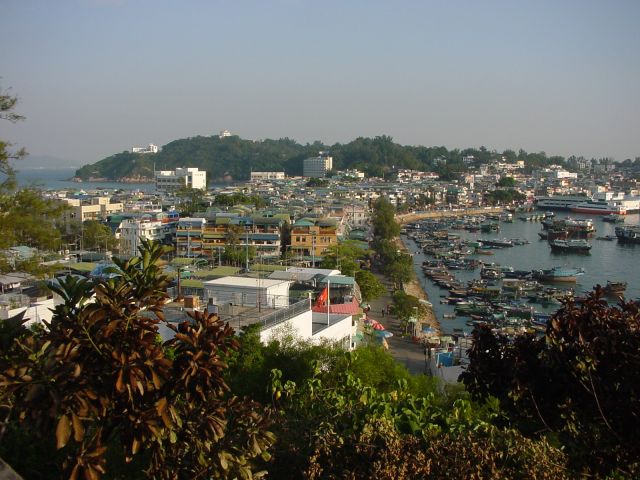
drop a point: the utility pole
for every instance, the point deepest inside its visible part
(246, 237)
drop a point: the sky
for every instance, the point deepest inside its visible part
(96, 77)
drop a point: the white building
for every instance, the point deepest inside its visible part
(317, 167)
(248, 291)
(243, 301)
(260, 176)
(170, 180)
(94, 208)
(224, 133)
(150, 149)
(160, 227)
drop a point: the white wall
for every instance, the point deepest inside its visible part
(340, 328)
(299, 326)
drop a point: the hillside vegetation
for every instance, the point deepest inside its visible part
(233, 158)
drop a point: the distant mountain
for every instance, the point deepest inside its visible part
(233, 158)
(31, 162)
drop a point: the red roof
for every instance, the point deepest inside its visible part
(344, 308)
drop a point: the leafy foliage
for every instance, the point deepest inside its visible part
(581, 383)
(232, 158)
(346, 429)
(99, 378)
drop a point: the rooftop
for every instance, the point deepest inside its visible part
(244, 282)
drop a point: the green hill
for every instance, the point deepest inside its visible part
(233, 158)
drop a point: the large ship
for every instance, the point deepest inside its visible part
(560, 202)
(628, 234)
(600, 207)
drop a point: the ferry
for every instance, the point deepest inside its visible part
(600, 207)
(560, 202)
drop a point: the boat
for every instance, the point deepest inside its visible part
(615, 288)
(609, 238)
(558, 274)
(613, 218)
(600, 207)
(496, 242)
(449, 315)
(560, 202)
(628, 234)
(579, 246)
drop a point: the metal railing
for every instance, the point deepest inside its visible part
(284, 314)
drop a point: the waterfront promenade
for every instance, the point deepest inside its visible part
(458, 212)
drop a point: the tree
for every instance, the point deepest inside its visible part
(384, 225)
(7, 154)
(370, 286)
(336, 425)
(234, 252)
(506, 182)
(100, 383)
(25, 217)
(190, 200)
(346, 256)
(98, 235)
(580, 383)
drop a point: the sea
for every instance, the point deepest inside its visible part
(60, 178)
(607, 260)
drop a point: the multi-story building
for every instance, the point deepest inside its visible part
(93, 208)
(160, 227)
(189, 235)
(261, 176)
(150, 149)
(311, 239)
(171, 180)
(317, 167)
(263, 233)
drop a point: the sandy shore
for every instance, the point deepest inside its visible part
(415, 288)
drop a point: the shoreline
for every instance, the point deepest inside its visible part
(415, 288)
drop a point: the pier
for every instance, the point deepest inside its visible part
(458, 212)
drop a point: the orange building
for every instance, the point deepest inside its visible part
(312, 238)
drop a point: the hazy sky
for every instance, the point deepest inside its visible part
(95, 77)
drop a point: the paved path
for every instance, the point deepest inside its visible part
(401, 348)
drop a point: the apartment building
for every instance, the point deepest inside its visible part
(172, 180)
(311, 239)
(90, 208)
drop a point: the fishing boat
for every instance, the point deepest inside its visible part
(613, 218)
(628, 234)
(577, 246)
(496, 242)
(559, 274)
(615, 288)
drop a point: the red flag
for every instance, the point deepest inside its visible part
(321, 301)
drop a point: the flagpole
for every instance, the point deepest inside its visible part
(328, 300)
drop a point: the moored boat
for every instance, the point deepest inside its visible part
(615, 288)
(558, 274)
(578, 246)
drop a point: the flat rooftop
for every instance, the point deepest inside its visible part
(244, 282)
(319, 321)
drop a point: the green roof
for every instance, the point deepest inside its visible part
(191, 283)
(337, 280)
(217, 272)
(182, 261)
(82, 266)
(303, 223)
(265, 267)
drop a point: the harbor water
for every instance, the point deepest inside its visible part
(607, 261)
